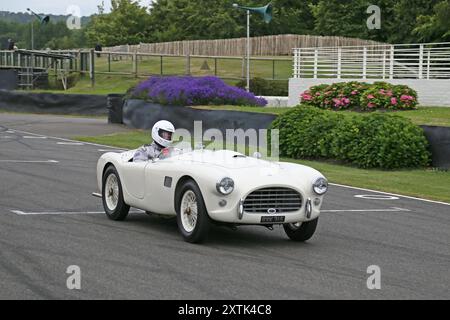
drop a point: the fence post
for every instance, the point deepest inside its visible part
(161, 65)
(297, 65)
(316, 63)
(391, 67)
(273, 69)
(421, 62)
(365, 63)
(109, 61)
(384, 64)
(135, 65)
(428, 64)
(339, 66)
(92, 67)
(243, 67)
(215, 66)
(188, 64)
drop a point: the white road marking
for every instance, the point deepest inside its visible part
(375, 197)
(34, 137)
(10, 131)
(29, 161)
(6, 137)
(104, 150)
(70, 143)
(390, 194)
(67, 140)
(368, 210)
(54, 213)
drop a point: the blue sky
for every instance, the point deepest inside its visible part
(87, 7)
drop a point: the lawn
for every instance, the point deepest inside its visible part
(425, 183)
(433, 116)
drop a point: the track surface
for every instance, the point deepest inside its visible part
(49, 221)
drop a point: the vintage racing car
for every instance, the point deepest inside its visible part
(202, 187)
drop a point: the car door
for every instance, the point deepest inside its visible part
(133, 178)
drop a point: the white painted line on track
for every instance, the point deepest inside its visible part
(29, 161)
(118, 151)
(67, 140)
(55, 213)
(6, 137)
(376, 197)
(70, 143)
(34, 137)
(390, 194)
(368, 210)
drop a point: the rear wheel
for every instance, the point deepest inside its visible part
(115, 207)
(192, 218)
(301, 232)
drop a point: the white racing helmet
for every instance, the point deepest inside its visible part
(163, 132)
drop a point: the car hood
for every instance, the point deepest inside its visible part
(224, 158)
(235, 164)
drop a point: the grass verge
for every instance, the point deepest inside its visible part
(424, 183)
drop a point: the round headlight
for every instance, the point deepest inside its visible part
(225, 186)
(320, 186)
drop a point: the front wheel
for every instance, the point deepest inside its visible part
(301, 232)
(115, 207)
(192, 218)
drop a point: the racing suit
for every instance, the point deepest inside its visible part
(147, 152)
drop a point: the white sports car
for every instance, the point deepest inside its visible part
(201, 187)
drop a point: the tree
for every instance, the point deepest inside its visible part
(217, 19)
(405, 18)
(436, 27)
(128, 23)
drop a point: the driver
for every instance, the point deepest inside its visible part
(162, 134)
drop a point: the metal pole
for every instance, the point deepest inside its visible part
(32, 35)
(248, 50)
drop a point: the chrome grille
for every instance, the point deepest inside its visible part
(268, 200)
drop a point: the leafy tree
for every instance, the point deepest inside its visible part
(128, 23)
(435, 27)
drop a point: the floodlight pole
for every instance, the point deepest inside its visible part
(32, 29)
(248, 51)
(32, 35)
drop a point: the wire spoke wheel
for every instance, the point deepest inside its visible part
(189, 211)
(112, 192)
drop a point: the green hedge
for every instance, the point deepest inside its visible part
(262, 87)
(360, 96)
(376, 140)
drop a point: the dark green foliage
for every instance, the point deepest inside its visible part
(367, 141)
(262, 87)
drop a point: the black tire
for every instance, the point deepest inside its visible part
(203, 223)
(120, 212)
(302, 233)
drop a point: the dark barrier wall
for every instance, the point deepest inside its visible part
(143, 115)
(439, 139)
(8, 79)
(50, 103)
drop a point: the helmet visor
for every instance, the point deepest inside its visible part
(166, 135)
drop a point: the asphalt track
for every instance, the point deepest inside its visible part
(49, 221)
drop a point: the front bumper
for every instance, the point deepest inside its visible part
(234, 213)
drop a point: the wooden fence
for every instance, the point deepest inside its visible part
(277, 45)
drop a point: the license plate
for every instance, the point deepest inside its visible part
(272, 219)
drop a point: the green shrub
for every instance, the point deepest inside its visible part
(360, 96)
(367, 141)
(263, 87)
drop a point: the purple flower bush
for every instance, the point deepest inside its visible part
(191, 91)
